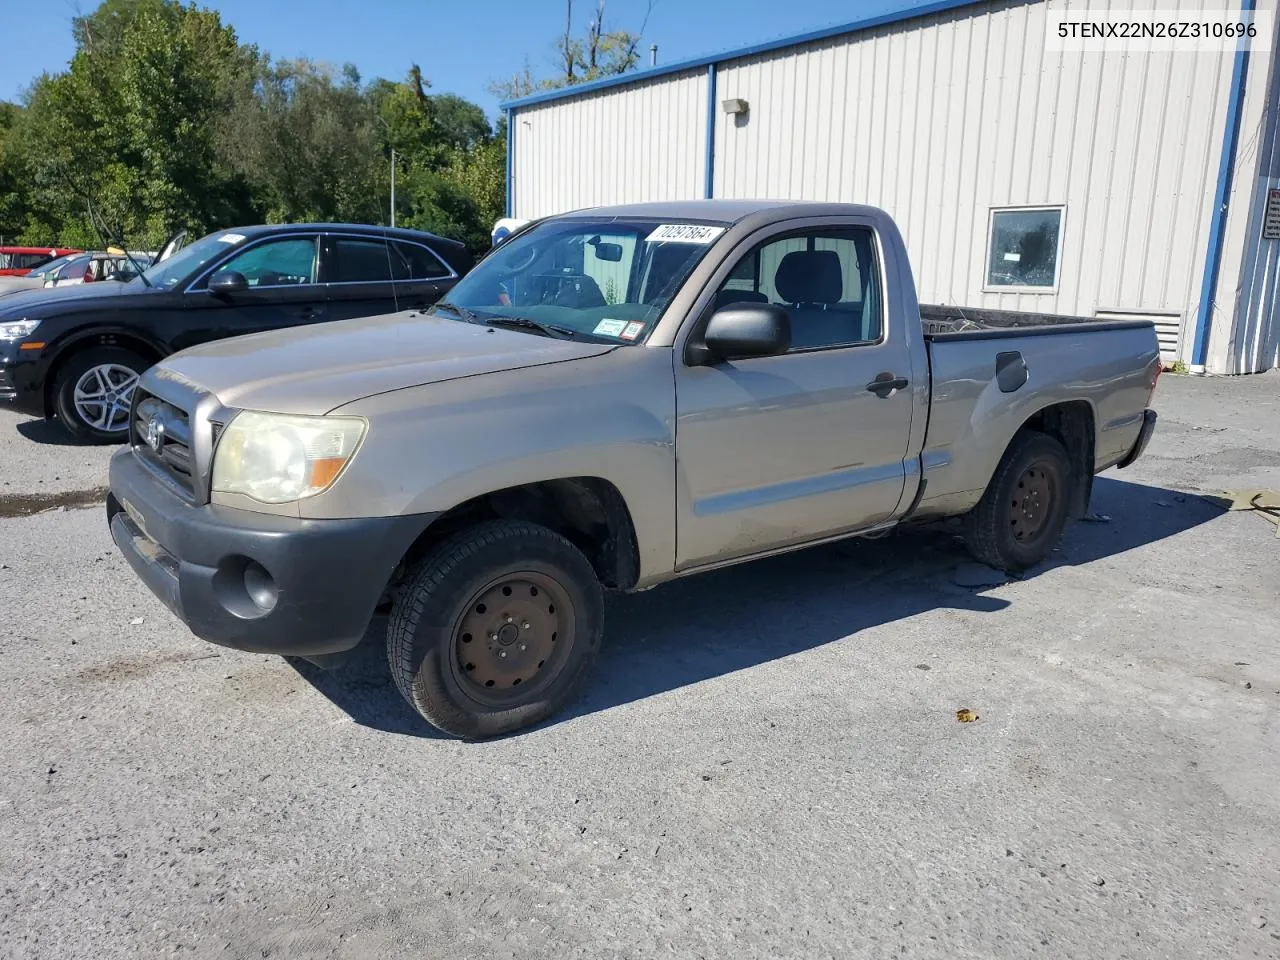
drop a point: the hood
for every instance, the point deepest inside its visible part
(312, 370)
(42, 298)
(11, 285)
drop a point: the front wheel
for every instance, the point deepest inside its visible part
(496, 629)
(1021, 515)
(93, 391)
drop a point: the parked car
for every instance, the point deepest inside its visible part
(37, 278)
(18, 261)
(76, 352)
(94, 267)
(611, 398)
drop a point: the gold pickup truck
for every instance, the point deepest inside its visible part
(610, 399)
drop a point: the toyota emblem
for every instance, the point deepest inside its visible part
(155, 433)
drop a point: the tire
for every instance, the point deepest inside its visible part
(489, 610)
(91, 371)
(1020, 517)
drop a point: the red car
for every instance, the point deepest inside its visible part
(18, 261)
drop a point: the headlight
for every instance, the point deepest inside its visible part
(275, 458)
(17, 329)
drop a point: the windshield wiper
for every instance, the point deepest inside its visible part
(519, 323)
(462, 312)
(524, 323)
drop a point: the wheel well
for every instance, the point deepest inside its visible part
(587, 511)
(1072, 425)
(122, 340)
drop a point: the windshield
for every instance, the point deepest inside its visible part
(169, 273)
(47, 268)
(602, 279)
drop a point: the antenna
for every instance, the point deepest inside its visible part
(113, 236)
(391, 276)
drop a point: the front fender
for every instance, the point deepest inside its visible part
(431, 448)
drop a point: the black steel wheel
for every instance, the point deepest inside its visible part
(496, 629)
(1021, 515)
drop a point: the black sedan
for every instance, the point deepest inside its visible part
(76, 352)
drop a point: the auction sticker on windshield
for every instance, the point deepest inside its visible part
(231, 238)
(609, 328)
(684, 233)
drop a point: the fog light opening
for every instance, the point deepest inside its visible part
(260, 586)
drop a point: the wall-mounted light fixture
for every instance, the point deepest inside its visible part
(735, 106)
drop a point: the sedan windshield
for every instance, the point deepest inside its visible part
(169, 273)
(45, 269)
(603, 279)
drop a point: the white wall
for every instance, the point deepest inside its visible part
(643, 141)
(939, 119)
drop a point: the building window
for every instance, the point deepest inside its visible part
(1024, 248)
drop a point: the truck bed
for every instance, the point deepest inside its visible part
(990, 370)
(964, 323)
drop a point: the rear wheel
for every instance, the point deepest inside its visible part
(496, 629)
(1022, 513)
(93, 391)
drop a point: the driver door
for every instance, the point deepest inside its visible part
(776, 451)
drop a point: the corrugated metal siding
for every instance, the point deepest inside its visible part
(1246, 332)
(628, 144)
(939, 119)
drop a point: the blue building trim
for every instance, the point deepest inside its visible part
(908, 12)
(511, 159)
(709, 171)
(1218, 226)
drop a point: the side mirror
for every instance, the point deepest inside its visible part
(226, 283)
(740, 331)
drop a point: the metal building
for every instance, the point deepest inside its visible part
(1022, 177)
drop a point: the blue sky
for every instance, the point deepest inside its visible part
(460, 45)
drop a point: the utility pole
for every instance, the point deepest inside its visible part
(393, 186)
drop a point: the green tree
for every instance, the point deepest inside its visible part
(130, 126)
(12, 209)
(306, 143)
(598, 53)
(164, 120)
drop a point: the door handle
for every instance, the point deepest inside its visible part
(886, 383)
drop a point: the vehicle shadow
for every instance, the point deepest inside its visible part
(717, 623)
(50, 432)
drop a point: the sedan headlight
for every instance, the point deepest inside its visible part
(276, 458)
(17, 329)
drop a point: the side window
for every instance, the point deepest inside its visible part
(826, 280)
(409, 261)
(359, 261)
(288, 261)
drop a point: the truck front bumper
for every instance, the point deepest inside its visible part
(255, 581)
(1144, 437)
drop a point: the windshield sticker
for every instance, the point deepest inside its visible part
(609, 328)
(231, 238)
(632, 330)
(684, 233)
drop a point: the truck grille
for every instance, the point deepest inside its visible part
(161, 436)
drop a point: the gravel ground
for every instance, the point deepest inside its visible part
(768, 762)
